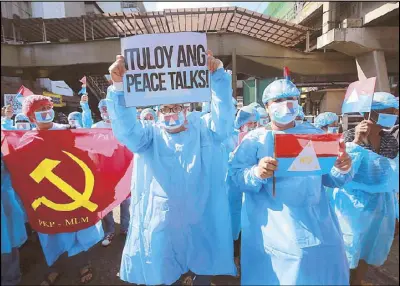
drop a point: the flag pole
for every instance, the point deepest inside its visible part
(273, 173)
(372, 99)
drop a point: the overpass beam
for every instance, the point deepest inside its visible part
(328, 16)
(373, 64)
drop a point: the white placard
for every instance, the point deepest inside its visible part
(11, 99)
(166, 69)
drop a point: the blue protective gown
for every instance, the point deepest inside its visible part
(367, 206)
(179, 205)
(234, 196)
(87, 120)
(7, 124)
(292, 238)
(54, 245)
(13, 232)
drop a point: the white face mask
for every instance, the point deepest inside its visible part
(386, 120)
(74, 123)
(333, 129)
(23, 126)
(172, 121)
(284, 112)
(105, 116)
(264, 121)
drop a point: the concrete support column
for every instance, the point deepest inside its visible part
(373, 64)
(308, 110)
(234, 74)
(328, 16)
(29, 80)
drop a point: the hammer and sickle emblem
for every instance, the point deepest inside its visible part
(45, 171)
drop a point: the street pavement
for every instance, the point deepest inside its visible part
(106, 263)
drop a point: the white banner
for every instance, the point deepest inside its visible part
(166, 69)
(10, 99)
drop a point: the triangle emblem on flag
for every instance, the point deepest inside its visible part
(353, 97)
(20, 98)
(172, 122)
(306, 161)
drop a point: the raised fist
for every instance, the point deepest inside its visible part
(117, 69)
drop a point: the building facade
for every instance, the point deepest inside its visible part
(47, 10)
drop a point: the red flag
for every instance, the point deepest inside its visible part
(24, 91)
(83, 80)
(290, 145)
(305, 154)
(67, 179)
(286, 73)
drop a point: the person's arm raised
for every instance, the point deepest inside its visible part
(221, 123)
(126, 128)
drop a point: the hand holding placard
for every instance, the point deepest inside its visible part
(212, 63)
(117, 69)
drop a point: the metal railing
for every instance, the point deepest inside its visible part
(94, 87)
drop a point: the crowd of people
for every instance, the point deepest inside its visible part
(204, 198)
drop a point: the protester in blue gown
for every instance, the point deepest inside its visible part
(292, 237)
(13, 233)
(6, 115)
(108, 220)
(179, 204)
(105, 122)
(327, 121)
(247, 119)
(84, 119)
(264, 118)
(255, 105)
(367, 206)
(39, 110)
(149, 115)
(21, 122)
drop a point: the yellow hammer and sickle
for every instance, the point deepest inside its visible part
(45, 170)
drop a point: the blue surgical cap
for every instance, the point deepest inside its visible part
(146, 111)
(281, 88)
(21, 117)
(383, 100)
(262, 112)
(255, 104)
(245, 115)
(301, 112)
(75, 116)
(324, 119)
(102, 103)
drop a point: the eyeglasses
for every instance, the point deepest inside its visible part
(175, 109)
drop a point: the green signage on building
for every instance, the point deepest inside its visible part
(279, 9)
(253, 90)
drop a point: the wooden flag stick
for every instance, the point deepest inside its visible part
(273, 175)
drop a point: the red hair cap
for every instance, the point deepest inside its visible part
(33, 102)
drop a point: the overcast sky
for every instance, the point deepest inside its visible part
(161, 5)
